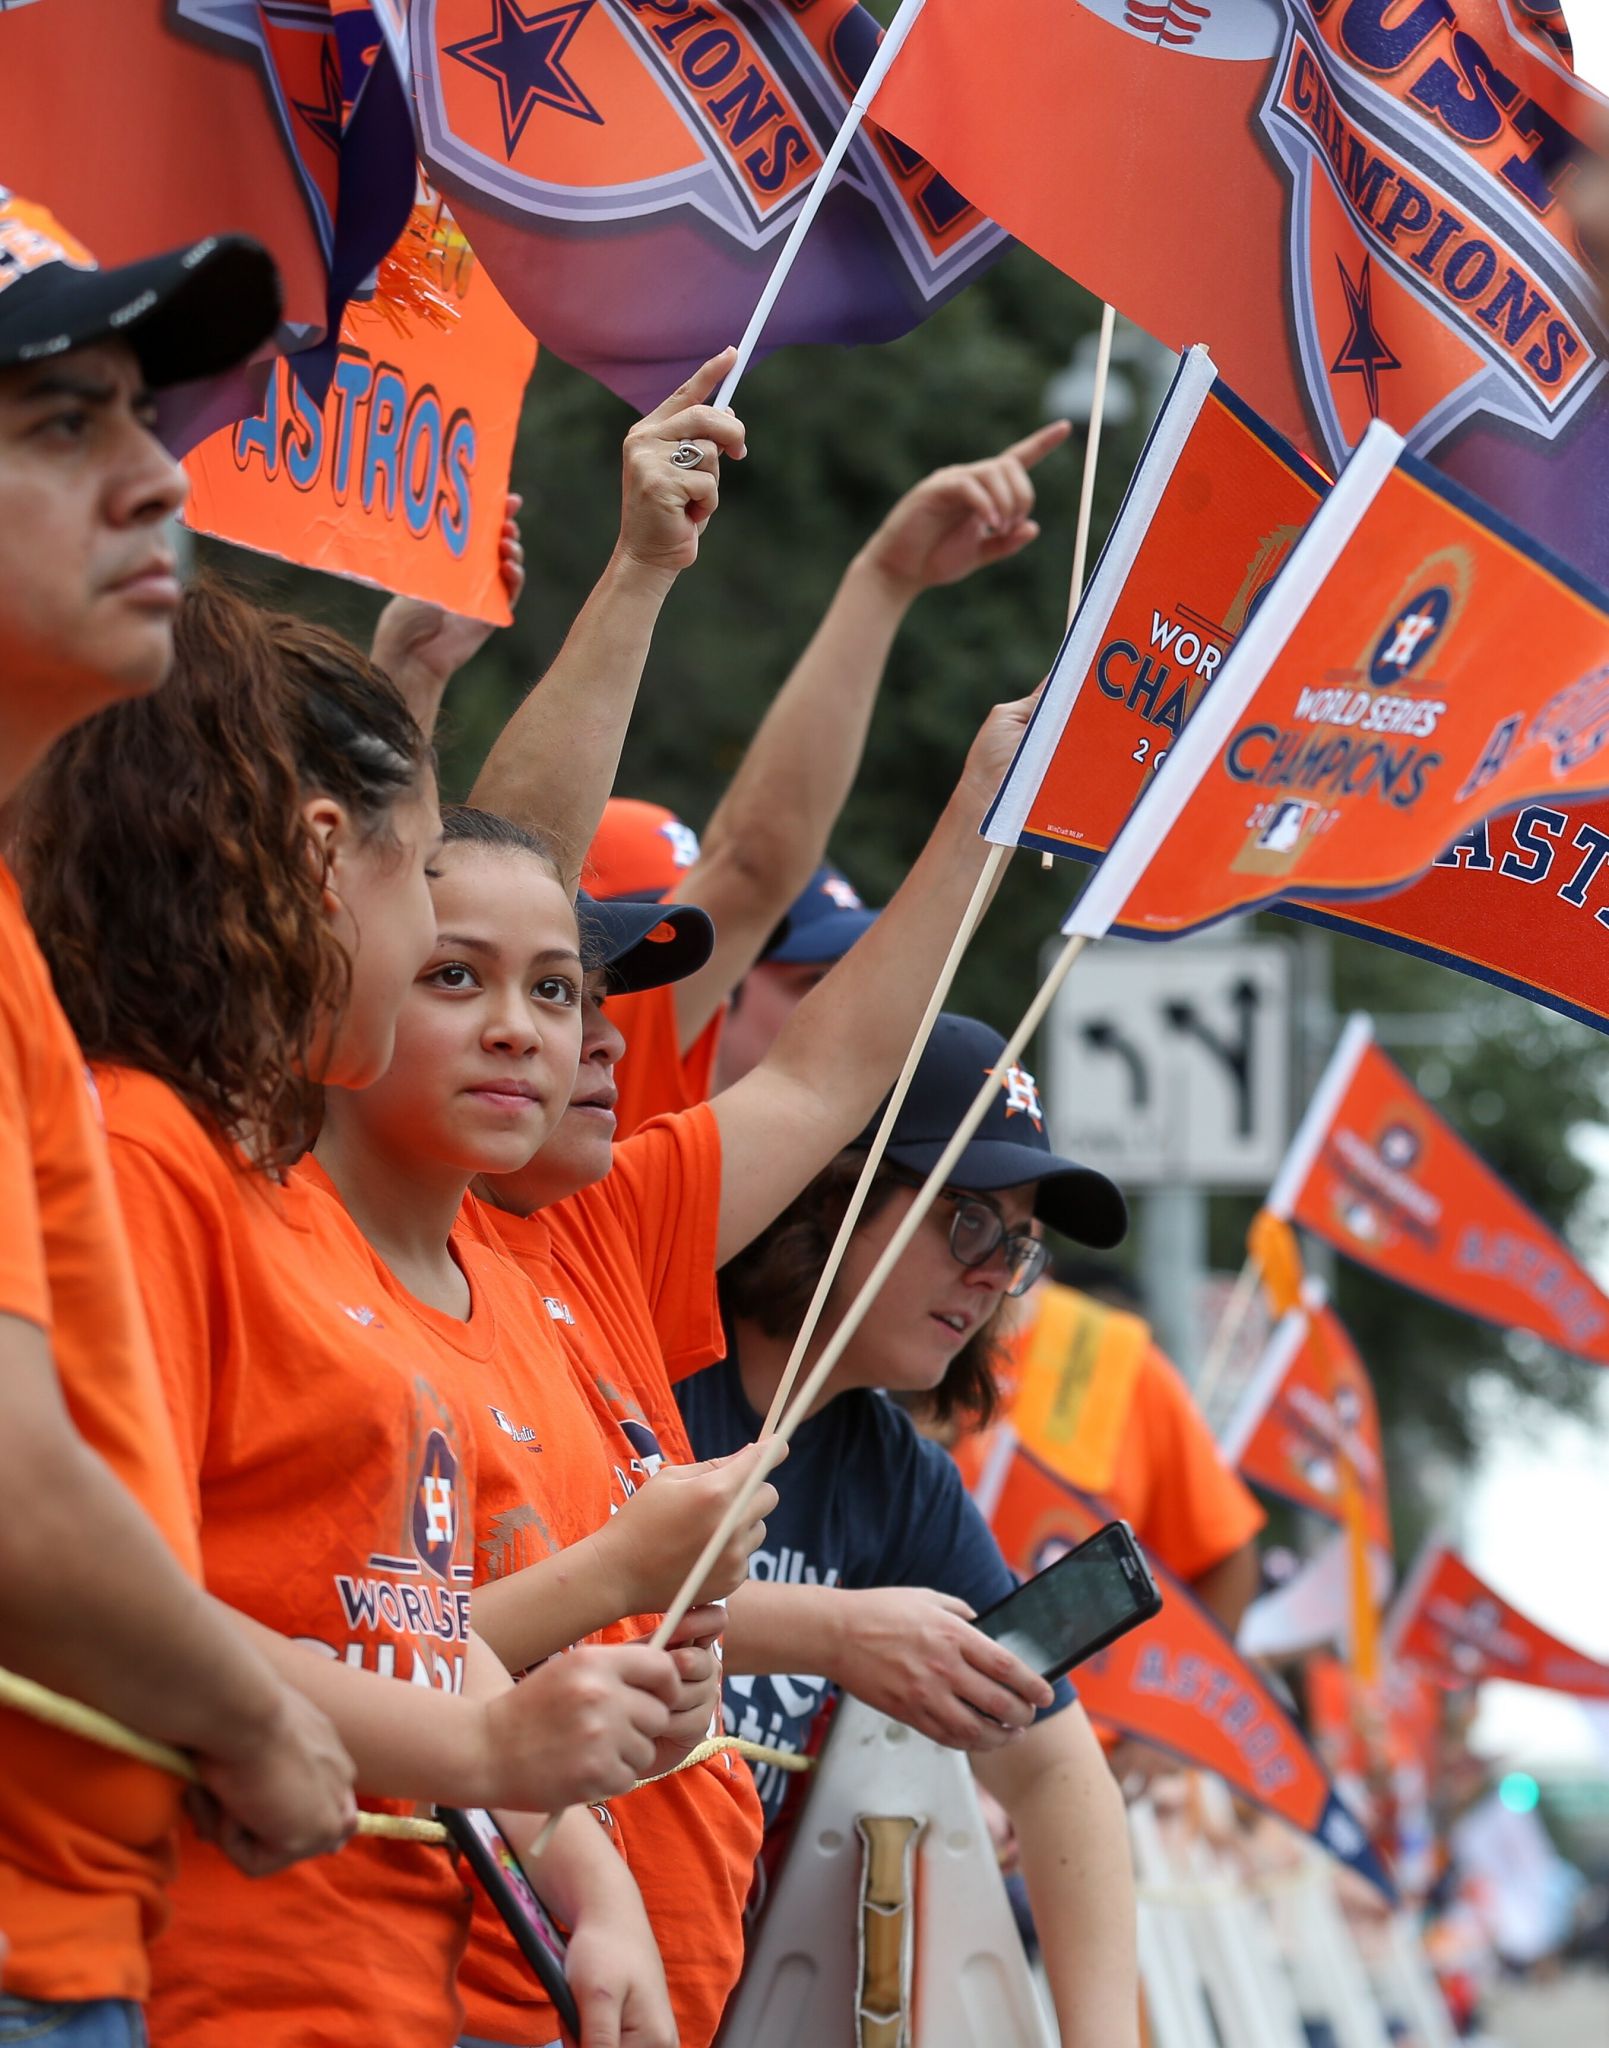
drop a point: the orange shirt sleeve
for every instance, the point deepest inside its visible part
(654, 1076)
(24, 1284)
(664, 1191)
(1172, 1483)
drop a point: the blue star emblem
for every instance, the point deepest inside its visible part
(1364, 353)
(324, 116)
(524, 55)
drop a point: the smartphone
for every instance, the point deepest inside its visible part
(1077, 1605)
(490, 1855)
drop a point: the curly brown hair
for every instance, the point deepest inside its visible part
(175, 887)
(771, 1281)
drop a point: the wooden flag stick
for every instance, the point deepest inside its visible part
(1092, 450)
(887, 50)
(970, 921)
(855, 1314)
(1237, 1308)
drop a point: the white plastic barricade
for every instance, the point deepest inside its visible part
(888, 1926)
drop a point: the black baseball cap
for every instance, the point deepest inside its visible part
(1011, 1145)
(823, 921)
(643, 944)
(187, 314)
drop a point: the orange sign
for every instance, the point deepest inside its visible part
(1357, 205)
(401, 478)
(1307, 1417)
(1457, 1631)
(1378, 1174)
(1417, 668)
(1177, 1681)
(1213, 511)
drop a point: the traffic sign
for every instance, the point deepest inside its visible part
(1170, 1064)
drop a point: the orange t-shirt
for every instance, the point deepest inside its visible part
(1169, 1480)
(654, 1076)
(543, 1481)
(86, 1838)
(332, 1473)
(628, 1270)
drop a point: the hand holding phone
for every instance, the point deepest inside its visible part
(1077, 1605)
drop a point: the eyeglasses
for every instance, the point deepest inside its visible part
(978, 1231)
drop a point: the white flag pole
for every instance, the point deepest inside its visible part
(971, 919)
(887, 50)
(1092, 450)
(1288, 1183)
(855, 1314)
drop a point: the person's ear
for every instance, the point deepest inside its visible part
(326, 823)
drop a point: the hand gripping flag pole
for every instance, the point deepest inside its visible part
(887, 50)
(970, 921)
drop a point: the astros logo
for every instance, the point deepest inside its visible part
(1244, 29)
(435, 1506)
(1022, 1096)
(1399, 1145)
(1408, 640)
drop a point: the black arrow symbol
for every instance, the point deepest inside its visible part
(1233, 1055)
(1100, 1034)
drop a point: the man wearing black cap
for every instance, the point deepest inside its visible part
(99, 1570)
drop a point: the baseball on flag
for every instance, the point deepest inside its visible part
(1456, 1630)
(1358, 205)
(1376, 1173)
(1177, 1681)
(1418, 667)
(1307, 1416)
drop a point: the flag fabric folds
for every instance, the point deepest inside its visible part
(1374, 1171)
(400, 479)
(1356, 204)
(1210, 517)
(1419, 668)
(288, 122)
(1456, 1630)
(1176, 1681)
(1308, 1413)
(628, 171)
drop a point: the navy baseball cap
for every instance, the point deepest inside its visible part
(1011, 1145)
(643, 945)
(187, 314)
(823, 921)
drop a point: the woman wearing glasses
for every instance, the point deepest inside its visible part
(875, 1557)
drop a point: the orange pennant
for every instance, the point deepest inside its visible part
(1457, 1631)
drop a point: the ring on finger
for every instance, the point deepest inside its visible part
(688, 456)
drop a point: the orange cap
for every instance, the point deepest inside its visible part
(641, 849)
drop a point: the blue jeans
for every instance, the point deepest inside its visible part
(99, 2023)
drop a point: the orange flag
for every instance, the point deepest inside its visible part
(1355, 203)
(1309, 1414)
(1214, 508)
(1416, 668)
(1453, 1628)
(1378, 1174)
(400, 478)
(1177, 1681)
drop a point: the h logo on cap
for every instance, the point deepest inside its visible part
(1022, 1096)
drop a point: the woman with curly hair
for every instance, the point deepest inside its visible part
(231, 878)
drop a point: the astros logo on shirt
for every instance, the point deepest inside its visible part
(435, 1505)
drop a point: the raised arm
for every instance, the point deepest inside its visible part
(553, 765)
(840, 1051)
(421, 646)
(769, 832)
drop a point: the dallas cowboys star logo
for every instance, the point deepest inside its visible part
(524, 55)
(1364, 353)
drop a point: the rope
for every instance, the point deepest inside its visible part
(26, 1696)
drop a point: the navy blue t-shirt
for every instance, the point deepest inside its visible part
(863, 1500)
